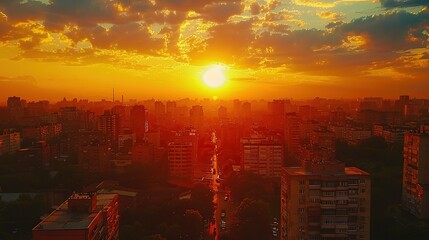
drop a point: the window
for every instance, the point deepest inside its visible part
(302, 182)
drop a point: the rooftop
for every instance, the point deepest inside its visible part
(62, 218)
(297, 171)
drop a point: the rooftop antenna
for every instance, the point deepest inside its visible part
(113, 95)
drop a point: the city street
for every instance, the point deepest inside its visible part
(221, 199)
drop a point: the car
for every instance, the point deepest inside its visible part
(223, 213)
(275, 233)
(226, 197)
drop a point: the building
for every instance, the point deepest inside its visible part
(415, 181)
(139, 121)
(262, 153)
(83, 216)
(108, 123)
(14, 102)
(93, 157)
(325, 200)
(196, 117)
(182, 155)
(292, 133)
(10, 142)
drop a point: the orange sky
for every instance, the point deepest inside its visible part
(160, 48)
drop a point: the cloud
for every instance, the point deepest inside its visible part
(392, 31)
(228, 43)
(221, 12)
(332, 16)
(403, 3)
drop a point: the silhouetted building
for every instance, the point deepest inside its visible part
(83, 216)
(292, 134)
(94, 157)
(108, 123)
(139, 121)
(196, 116)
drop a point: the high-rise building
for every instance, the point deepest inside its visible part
(182, 154)
(325, 200)
(108, 123)
(83, 216)
(196, 115)
(14, 103)
(230, 135)
(222, 113)
(159, 111)
(10, 142)
(262, 153)
(139, 121)
(415, 181)
(292, 133)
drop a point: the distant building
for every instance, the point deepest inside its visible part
(10, 142)
(139, 121)
(292, 133)
(415, 181)
(108, 123)
(94, 157)
(262, 153)
(196, 117)
(143, 152)
(83, 216)
(325, 200)
(357, 135)
(14, 103)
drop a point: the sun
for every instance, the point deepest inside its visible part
(214, 76)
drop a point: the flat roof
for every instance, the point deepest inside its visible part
(297, 171)
(62, 219)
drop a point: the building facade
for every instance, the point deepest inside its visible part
(262, 154)
(415, 181)
(325, 200)
(182, 155)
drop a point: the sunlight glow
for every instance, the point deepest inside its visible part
(214, 76)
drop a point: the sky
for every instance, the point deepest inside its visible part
(50, 49)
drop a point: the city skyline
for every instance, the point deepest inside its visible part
(162, 49)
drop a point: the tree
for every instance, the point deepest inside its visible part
(192, 224)
(246, 185)
(202, 200)
(251, 220)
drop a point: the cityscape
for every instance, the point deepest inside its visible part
(214, 120)
(215, 169)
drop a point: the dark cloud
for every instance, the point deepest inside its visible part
(403, 3)
(130, 37)
(392, 31)
(18, 10)
(221, 12)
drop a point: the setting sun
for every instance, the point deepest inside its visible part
(214, 76)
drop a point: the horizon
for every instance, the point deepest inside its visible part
(265, 49)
